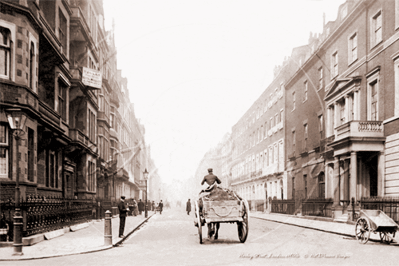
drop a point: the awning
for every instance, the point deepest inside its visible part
(316, 169)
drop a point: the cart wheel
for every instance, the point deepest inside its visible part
(197, 215)
(362, 230)
(243, 226)
(386, 238)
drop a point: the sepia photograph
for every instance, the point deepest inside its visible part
(199, 132)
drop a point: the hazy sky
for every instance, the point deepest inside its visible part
(195, 67)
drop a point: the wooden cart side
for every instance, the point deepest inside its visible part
(227, 210)
(378, 220)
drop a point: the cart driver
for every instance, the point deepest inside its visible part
(211, 180)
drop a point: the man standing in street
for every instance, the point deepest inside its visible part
(122, 216)
(141, 206)
(160, 205)
(188, 207)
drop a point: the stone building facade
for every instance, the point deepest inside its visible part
(82, 139)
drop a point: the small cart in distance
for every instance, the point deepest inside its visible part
(375, 221)
(226, 211)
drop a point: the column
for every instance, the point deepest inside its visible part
(336, 116)
(353, 178)
(356, 105)
(336, 183)
(341, 177)
(347, 104)
(381, 176)
(345, 179)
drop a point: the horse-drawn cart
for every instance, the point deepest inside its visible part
(214, 212)
(375, 221)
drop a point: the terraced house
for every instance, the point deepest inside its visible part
(322, 138)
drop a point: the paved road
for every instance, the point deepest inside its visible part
(172, 239)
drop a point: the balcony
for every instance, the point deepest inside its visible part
(79, 137)
(79, 22)
(360, 129)
(49, 114)
(102, 117)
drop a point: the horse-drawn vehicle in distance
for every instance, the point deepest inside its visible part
(221, 206)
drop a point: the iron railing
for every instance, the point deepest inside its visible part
(283, 206)
(390, 206)
(41, 214)
(317, 207)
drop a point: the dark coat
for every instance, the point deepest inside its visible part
(122, 209)
(141, 206)
(188, 206)
(160, 205)
(210, 179)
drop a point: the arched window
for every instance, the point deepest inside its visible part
(5, 52)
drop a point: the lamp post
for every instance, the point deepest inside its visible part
(145, 173)
(16, 119)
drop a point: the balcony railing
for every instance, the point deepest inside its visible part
(79, 137)
(360, 129)
(49, 113)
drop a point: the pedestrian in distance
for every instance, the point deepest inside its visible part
(122, 216)
(134, 211)
(153, 206)
(188, 207)
(141, 206)
(160, 206)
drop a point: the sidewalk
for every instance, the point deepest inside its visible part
(85, 240)
(316, 223)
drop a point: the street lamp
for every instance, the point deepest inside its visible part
(145, 173)
(16, 119)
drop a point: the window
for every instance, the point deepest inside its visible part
(305, 135)
(372, 97)
(271, 155)
(271, 122)
(334, 65)
(322, 186)
(293, 100)
(111, 120)
(321, 126)
(62, 31)
(62, 100)
(31, 154)
(91, 125)
(321, 81)
(276, 116)
(91, 174)
(342, 112)
(5, 52)
(261, 132)
(281, 115)
(51, 169)
(265, 136)
(305, 92)
(352, 48)
(374, 101)
(376, 27)
(31, 65)
(4, 148)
